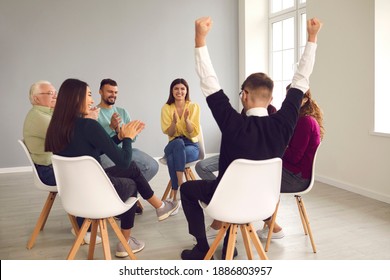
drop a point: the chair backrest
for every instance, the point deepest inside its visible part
(248, 191)
(85, 189)
(312, 178)
(37, 181)
(202, 149)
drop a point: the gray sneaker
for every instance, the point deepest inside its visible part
(135, 245)
(170, 206)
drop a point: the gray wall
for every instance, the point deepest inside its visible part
(143, 45)
(343, 82)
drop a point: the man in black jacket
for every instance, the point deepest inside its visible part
(254, 136)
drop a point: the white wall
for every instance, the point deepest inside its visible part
(343, 84)
(143, 45)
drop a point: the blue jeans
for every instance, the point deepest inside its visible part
(147, 164)
(178, 152)
(46, 174)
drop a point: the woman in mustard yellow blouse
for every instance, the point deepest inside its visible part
(180, 121)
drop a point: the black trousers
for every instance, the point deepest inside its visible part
(127, 182)
(191, 192)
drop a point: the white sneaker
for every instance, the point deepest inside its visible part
(135, 245)
(177, 209)
(87, 237)
(210, 233)
(263, 234)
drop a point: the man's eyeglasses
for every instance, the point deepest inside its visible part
(51, 93)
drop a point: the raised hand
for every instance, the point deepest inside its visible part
(202, 27)
(313, 27)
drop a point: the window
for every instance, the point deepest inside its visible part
(382, 61)
(287, 21)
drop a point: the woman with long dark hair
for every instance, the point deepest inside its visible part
(71, 134)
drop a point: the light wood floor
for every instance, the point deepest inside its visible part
(346, 226)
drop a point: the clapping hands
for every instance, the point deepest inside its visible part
(131, 129)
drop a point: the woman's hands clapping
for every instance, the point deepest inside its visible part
(131, 129)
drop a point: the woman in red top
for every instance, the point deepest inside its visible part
(299, 155)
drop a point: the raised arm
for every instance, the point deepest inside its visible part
(306, 63)
(204, 68)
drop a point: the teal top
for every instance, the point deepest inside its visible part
(105, 118)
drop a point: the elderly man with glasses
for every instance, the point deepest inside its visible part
(43, 98)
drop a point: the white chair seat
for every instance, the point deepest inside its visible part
(301, 208)
(258, 185)
(86, 191)
(39, 226)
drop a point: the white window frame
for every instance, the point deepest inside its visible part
(293, 12)
(382, 60)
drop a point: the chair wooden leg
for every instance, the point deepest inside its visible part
(79, 239)
(298, 199)
(189, 174)
(93, 239)
(217, 240)
(105, 240)
(121, 237)
(245, 237)
(75, 226)
(271, 228)
(167, 190)
(301, 206)
(232, 241)
(256, 242)
(42, 219)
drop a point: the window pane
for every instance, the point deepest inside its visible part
(302, 1)
(303, 30)
(279, 93)
(288, 33)
(288, 4)
(277, 34)
(288, 64)
(276, 6)
(277, 66)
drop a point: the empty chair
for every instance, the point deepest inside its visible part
(301, 209)
(49, 201)
(86, 191)
(188, 173)
(258, 182)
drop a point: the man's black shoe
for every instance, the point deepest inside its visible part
(194, 254)
(138, 210)
(223, 256)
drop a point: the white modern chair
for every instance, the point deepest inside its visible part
(49, 201)
(301, 209)
(188, 173)
(258, 184)
(86, 191)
